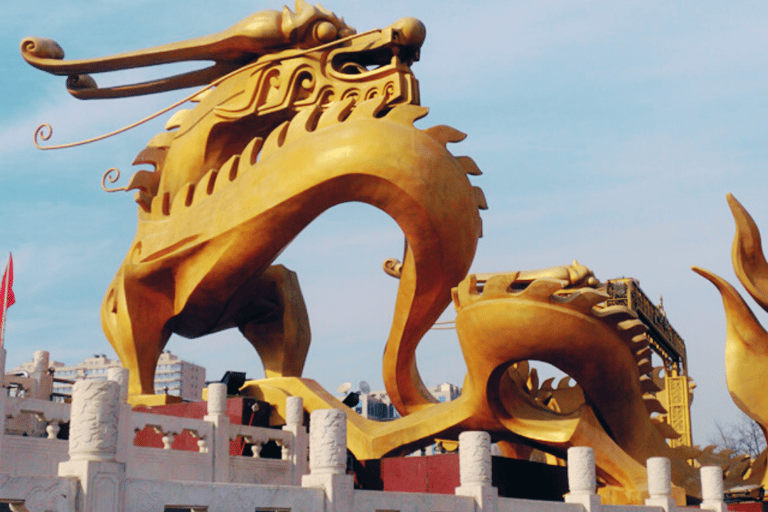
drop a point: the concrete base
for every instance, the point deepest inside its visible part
(486, 497)
(339, 490)
(101, 487)
(714, 506)
(590, 502)
(668, 504)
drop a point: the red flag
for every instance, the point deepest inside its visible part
(6, 286)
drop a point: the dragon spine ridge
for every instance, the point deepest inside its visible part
(306, 121)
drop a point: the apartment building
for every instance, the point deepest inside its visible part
(376, 405)
(172, 375)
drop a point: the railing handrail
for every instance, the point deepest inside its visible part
(139, 420)
(263, 434)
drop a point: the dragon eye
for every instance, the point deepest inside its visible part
(324, 32)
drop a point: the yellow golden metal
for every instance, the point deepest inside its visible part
(260, 34)
(504, 320)
(674, 389)
(746, 347)
(677, 403)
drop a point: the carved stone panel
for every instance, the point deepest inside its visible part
(94, 420)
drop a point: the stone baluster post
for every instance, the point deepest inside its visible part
(125, 436)
(582, 482)
(660, 483)
(712, 492)
(294, 423)
(328, 442)
(93, 440)
(43, 380)
(328, 459)
(41, 388)
(219, 445)
(475, 470)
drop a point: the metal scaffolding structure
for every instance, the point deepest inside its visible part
(666, 343)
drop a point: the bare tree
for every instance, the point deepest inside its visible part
(745, 437)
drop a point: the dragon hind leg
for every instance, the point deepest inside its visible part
(282, 335)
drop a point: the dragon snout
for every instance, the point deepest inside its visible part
(42, 48)
(411, 32)
(257, 35)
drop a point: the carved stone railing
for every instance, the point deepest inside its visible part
(257, 437)
(39, 454)
(52, 414)
(103, 471)
(171, 426)
(93, 479)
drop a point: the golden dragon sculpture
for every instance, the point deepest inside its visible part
(302, 114)
(557, 316)
(298, 113)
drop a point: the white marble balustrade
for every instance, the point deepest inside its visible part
(100, 468)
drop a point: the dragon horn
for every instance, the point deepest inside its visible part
(47, 55)
(230, 49)
(747, 254)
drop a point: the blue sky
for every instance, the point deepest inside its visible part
(608, 132)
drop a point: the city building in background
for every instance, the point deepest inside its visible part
(173, 376)
(375, 405)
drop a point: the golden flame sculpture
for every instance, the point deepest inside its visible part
(746, 346)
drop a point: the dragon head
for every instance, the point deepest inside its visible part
(266, 69)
